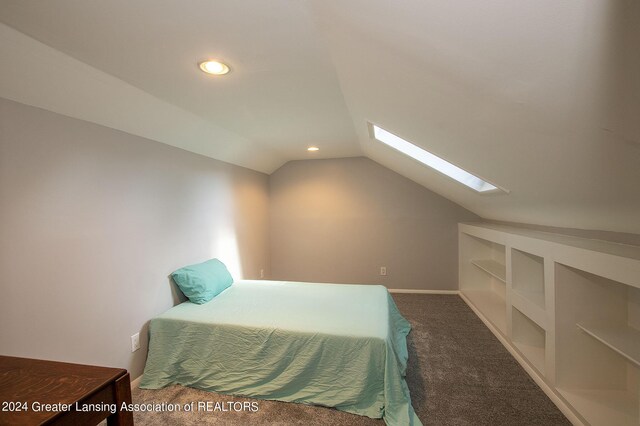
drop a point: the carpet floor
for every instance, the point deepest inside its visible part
(458, 374)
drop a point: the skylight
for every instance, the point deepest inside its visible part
(431, 160)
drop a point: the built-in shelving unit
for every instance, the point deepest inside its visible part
(567, 308)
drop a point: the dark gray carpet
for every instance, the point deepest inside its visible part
(458, 374)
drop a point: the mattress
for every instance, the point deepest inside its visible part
(336, 345)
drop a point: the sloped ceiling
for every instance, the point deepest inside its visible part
(539, 96)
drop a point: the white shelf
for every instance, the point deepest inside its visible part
(623, 340)
(535, 297)
(604, 407)
(491, 304)
(492, 267)
(534, 354)
(527, 304)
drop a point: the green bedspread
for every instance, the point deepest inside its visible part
(341, 346)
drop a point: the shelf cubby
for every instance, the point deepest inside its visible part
(528, 276)
(598, 346)
(529, 338)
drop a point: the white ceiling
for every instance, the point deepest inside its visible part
(539, 96)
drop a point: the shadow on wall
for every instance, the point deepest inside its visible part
(617, 68)
(238, 227)
(248, 245)
(176, 294)
(225, 221)
(607, 95)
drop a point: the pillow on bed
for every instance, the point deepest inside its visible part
(203, 281)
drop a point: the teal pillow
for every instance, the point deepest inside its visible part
(203, 281)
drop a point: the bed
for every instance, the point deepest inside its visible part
(335, 345)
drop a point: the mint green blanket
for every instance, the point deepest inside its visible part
(336, 345)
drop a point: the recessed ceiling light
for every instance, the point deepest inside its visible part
(214, 67)
(313, 149)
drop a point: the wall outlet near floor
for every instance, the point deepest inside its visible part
(383, 270)
(261, 273)
(135, 342)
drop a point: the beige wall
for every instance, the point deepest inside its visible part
(341, 220)
(92, 221)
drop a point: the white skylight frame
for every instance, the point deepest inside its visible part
(433, 161)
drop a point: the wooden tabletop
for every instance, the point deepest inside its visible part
(33, 383)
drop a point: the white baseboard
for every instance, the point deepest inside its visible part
(135, 382)
(417, 291)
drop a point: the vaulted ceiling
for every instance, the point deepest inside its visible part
(538, 96)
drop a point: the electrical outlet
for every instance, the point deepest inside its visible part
(135, 342)
(261, 273)
(383, 270)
